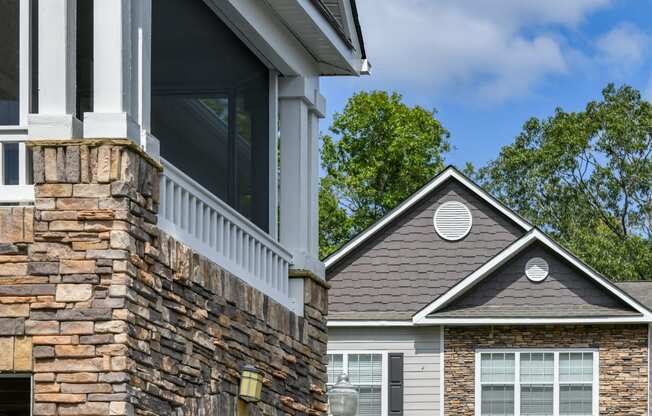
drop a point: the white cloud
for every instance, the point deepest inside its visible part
(623, 47)
(487, 50)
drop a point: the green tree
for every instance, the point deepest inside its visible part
(586, 178)
(381, 151)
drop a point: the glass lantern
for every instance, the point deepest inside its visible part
(251, 384)
(343, 398)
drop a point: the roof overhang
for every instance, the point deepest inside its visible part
(448, 173)
(428, 314)
(336, 52)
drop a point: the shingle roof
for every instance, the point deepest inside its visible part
(406, 265)
(639, 290)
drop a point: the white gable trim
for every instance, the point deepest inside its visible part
(500, 259)
(449, 172)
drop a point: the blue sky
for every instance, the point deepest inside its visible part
(489, 65)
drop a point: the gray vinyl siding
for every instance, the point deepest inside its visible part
(406, 266)
(421, 355)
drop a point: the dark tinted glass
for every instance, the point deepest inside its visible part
(9, 61)
(84, 57)
(210, 98)
(10, 163)
(15, 396)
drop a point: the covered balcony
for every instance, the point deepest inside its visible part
(224, 93)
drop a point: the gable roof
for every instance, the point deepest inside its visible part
(428, 314)
(418, 196)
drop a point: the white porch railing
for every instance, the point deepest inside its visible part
(196, 217)
(15, 173)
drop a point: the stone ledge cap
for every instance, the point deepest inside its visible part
(130, 144)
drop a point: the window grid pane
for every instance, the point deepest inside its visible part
(365, 369)
(576, 367)
(497, 368)
(334, 367)
(575, 400)
(497, 400)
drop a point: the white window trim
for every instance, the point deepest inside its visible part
(24, 78)
(517, 384)
(384, 397)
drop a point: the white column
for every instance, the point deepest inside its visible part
(57, 40)
(115, 71)
(273, 154)
(313, 175)
(299, 108)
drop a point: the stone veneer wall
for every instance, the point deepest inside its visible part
(112, 316)
(623, 355)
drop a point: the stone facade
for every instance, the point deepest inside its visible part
(623, 355)
(113, 317)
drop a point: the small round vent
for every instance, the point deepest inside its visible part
(452, 221)
(536, 269)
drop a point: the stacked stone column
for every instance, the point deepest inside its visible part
(111, 316)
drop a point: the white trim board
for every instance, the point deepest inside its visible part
(449, 172)
(501, 258)
(336, 323)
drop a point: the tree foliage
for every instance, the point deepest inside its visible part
(381, 151)
(586, 178)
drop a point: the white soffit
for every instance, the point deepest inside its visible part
(449, 172)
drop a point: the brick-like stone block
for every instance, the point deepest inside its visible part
(70, 365)
(7, 355)
(91, 190)
(41, 327)
(14, 310)
(85, 409)
(53, 190)
(74, 350)
(12, 326)
(44, 409)
(74, 292)
(60, 398)
(77, 328)
(76, 266)
(23, 354)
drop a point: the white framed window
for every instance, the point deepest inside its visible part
(367, 371)
(530, 382)
(15, 63)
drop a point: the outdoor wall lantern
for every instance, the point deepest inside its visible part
(343, 398)
(251, 384)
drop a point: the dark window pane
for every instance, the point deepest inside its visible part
(33, 53)
(210, 105)
(84, 57)
(10, 163)
(9, 61)
(15, 396)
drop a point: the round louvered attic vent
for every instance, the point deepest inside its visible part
(536, 269)
(452, 221)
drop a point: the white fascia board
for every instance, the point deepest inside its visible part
(256, 24)
(533, 321)
(368, 323)
(504, 256)
(449, 172)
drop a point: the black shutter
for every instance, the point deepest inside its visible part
(395, 384)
